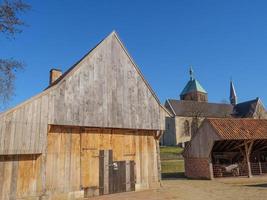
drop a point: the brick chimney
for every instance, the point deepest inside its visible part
(54, 75)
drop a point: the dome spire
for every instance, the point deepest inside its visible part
(191, 73)
(193, 91)
(233, 96)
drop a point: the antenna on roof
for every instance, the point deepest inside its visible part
(191, 73)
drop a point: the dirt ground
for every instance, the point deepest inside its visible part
(183, 189)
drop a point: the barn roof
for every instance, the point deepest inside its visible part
(76, 66)
(224, 129)
(239, 129)
(123, 46)
(203, 109)
(104, 89)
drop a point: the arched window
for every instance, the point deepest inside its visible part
(194, 125)
(186, 128)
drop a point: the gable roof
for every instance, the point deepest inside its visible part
(104, 89)
(236, 129)
(113, 33)
(69, 70)
(246, 109)
(202, 109)
(193, 86)
(73, 68)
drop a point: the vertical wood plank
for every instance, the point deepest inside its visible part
(128, 176)
(111, 174)
(132, 175)
(106, 163)
(101, 172)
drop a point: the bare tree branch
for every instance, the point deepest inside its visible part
(9, 20)
(196, 110)
(8, 69)
(10, 24)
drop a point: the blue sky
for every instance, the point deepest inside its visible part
(221, 39)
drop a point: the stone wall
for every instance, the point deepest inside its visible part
(176, 133)
(169, 136)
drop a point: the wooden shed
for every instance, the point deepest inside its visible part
(93, 131)
(227, 147)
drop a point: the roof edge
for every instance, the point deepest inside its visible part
(171, 107)
(136, 67)
(65, 74)
(73, 68)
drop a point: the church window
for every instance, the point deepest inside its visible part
(186, 128)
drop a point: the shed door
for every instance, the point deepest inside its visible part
(89, 165)
(115, 176)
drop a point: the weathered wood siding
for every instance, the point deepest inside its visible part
(23, 129)
(73, 156)
(20, 176)
(63, 160)
(104, 89)
(201, 144)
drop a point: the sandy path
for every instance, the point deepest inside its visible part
(220, 189)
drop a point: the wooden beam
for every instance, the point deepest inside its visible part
(237, 147)
(259, 149)
(224, 145)
(248, 147)
(260, 145)
(158, 135)
(232, 144)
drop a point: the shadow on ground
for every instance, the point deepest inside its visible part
(264, 185)
(176, 175)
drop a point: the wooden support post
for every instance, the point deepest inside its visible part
(260, 167)
(259, 162)
(158, 160)
(211, 169)
(248, 148)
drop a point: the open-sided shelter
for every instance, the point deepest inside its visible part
(227, 147)
(93, 131)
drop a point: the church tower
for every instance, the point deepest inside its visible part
(233, 97)
(193, 91)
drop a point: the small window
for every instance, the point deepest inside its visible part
(186, 128)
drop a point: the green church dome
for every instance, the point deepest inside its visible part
(193, 86)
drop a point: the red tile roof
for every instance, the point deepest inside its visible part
(239, 129)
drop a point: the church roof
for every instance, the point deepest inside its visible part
(246, 109)
(193, 86)
(216, 110)
(202, 109)
(232, 91)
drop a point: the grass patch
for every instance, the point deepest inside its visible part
(172, 163)
(172, 166)
(171, 153)
(171, 150)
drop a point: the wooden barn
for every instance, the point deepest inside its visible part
(227, 147)
(93, 131)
